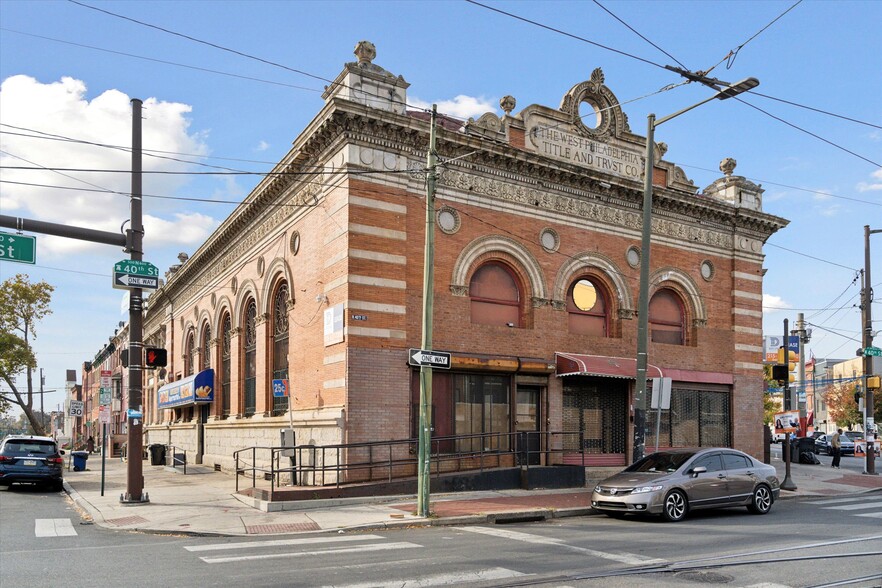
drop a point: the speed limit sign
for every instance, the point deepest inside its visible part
(76, 408)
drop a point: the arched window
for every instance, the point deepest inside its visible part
(205, 355)
(495, 296)
(280, 344)
(666, 318)
(189, 354)
(226, 355)
(586, 307)
(249, 353)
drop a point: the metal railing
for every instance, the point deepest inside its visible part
(352, 463)
(178, 457)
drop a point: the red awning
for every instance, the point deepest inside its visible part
(576, 364)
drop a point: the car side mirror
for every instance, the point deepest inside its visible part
(698, 470)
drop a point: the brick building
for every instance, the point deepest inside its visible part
(317, 277)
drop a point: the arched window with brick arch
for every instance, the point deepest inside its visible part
(205, 348)
(280, 344)
(189, 353)
(667, 318)
(249, 358)
(587, 308)
(226, 342)
(496, 296)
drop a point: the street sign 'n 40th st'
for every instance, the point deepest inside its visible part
(130, 273)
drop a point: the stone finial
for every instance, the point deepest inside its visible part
(182, 257)
(507, 103)
(662, 149)
(365, 51)
(727, 166)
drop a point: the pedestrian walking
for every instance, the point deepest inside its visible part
(90, 444)
(836, 444)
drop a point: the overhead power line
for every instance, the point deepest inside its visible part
(632, 29)
(813, 257)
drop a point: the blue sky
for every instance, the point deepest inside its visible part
(245, 114)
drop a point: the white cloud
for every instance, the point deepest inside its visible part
(186, 229)
(772, 303)
(262, 146)
(62, 108)
(462, 106)
(876, 183)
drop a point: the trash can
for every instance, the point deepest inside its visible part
(79, 460)
(157, 454)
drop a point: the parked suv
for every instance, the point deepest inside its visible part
(31, 460)
(824, 444)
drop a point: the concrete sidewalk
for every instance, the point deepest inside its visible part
(204, 502)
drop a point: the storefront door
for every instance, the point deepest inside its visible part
(595, 414)
(527, 422)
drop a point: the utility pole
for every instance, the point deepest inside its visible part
(424, 469)
(135, 415)
(787, 483)
(803, 339)
(42, 413)
(866, 306)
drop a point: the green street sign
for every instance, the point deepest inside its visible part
(18, 248)
(129, 273)
(135, 268)
(872, 352)
(104, 396)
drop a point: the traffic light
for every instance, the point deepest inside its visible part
(788, 364)
(155, 357)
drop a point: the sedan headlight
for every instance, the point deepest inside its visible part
(643, 489)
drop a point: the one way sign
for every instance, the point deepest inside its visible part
(433, 359)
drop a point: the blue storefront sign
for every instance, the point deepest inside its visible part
(198, 389)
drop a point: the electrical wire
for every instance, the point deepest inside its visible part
(632, 29)
(813, 257)
(564, 33)
(164, 62)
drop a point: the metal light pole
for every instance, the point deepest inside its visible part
(643, 302)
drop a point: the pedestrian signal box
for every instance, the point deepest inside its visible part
(155, 357)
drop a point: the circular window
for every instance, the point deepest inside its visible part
(633, 256)
(448, 220)
(295, 243)
(707, 270)
(584, 295)
(589, 114)
(549, 239)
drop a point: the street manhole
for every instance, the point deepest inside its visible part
(705, 577)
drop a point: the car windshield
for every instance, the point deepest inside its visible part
(660, 462)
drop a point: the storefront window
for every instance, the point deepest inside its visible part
(666, 318)
(249, 349)
(482, 407)
(280, 344)
(226, 354)
(586, 308)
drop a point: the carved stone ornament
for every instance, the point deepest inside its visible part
(507, 103)
(727, 166)
(458, 290)
(365, 51)
(612, 121)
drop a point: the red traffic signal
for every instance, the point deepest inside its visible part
(155, 357)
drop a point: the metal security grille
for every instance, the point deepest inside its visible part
(697, 418)
(597, 410)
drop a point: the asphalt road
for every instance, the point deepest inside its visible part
(802, 542)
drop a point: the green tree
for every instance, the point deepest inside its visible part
(841, 407)
(22, 305)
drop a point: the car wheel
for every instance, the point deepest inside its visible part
(761, 501)
(57, 486)
(675, 506)
(829, 450)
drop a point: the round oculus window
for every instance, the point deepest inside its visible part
(633, 256)
(584, 295)
(549, 239)
(448, 220)
(707, 270)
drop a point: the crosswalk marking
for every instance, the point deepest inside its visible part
(859, 506)
(835, 500)
(54, 528)
(626, 558)
(357, 549)
(451, 579)
(872, 515)
(312, 540)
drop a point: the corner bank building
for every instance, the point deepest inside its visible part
(317, 278)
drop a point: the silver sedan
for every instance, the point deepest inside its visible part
(673, 482)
